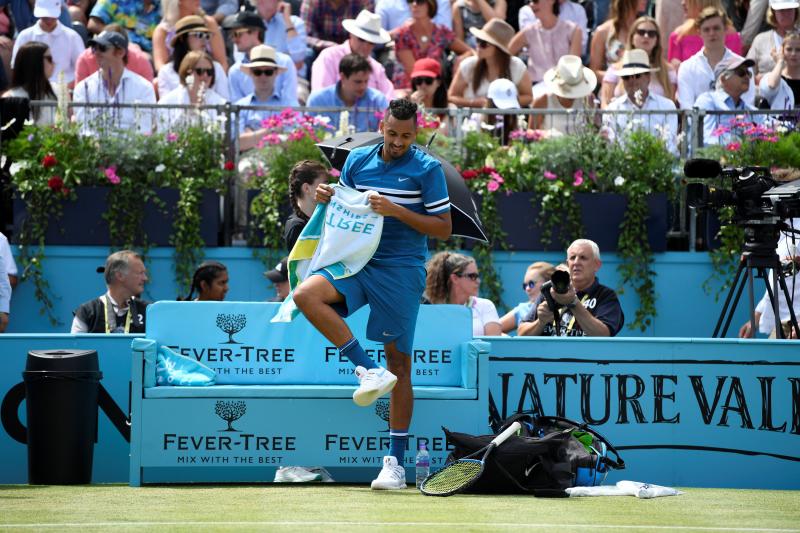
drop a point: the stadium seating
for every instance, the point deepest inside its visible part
(283, 395)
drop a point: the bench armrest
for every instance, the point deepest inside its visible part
(470, 354)
(146, 351)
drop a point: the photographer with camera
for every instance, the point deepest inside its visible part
(764, 316)
(574, 303)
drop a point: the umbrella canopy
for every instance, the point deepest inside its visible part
(466, 222)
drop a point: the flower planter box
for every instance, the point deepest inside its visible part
(82, 221)
(601, 213)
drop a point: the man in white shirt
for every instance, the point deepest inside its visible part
(635, 74)
(696, 74)
(733, 77)
(65, 43)
(112, 84)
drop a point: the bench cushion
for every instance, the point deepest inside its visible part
(297, 391)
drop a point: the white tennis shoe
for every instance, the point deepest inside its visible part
(391, 477)
(374, 383)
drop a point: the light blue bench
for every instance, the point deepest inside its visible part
(284, 396)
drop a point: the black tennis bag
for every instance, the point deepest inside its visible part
(549, 455)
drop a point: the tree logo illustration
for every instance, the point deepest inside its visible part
(382, 410)
(230, 411)
(231, 324)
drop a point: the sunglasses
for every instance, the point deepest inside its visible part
(528, 285)
(647, 33)
(49, 59)
(474, 276)
(97, 47)
(262, 71)
(240, 33)
(632, 76)
(743, 72)
(200, 35)
(424, 80)
(200, 71)
(418, 2)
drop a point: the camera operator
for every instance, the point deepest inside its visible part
(580, 304)
(765, 318)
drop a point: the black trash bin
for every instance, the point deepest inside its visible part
(61, 388)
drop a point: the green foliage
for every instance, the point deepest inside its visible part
(50, 162)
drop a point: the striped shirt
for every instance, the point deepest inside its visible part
(415, 181)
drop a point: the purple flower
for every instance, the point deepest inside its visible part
(549, 175)
(172, 137)
(111, 174)
(578, 176)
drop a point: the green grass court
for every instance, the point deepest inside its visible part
(357, 508)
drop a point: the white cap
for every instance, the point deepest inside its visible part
(783, 4)
(47, 9)
(503, 93)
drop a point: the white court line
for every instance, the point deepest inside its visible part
(515, 525)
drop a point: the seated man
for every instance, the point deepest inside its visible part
(352, 91)
(733, 77)
(635, 74)
(365, 32)
(119, 310)
(586, 309)
(114, 83)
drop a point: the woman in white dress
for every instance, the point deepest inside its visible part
(197, 79)
(29, 79)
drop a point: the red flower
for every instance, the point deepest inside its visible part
(55, 183)
(49, 161)
(229, 165)
(469, 174)
(65, 191)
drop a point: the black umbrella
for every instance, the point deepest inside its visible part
(464, 213)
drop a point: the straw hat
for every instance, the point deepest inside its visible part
(635, 61)
(570, 79)
(189, 24)
(367, 26)
(263, 56)
(497, 32)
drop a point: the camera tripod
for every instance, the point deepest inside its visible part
(761, 263)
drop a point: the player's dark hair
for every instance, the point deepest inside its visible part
(208, 271)
(302, 172)
(353, 63)
(402, 109)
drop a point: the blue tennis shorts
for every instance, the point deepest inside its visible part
(393, 294)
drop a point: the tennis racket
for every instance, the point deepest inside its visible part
(460, 474)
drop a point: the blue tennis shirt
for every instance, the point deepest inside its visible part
(415, 181)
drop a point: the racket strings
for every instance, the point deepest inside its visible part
(452, 478)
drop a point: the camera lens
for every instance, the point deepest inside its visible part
(560, 281)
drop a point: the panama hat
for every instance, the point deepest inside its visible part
(497, 32)
(634, 62)
(189, 24)
(263, 56)
(570, 79)
(367, 26)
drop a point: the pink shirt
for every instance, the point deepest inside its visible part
(325, 70)
(689, 45)
(137, 62)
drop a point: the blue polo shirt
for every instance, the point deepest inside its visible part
(250, 119)
(362, 116)
(415, 181)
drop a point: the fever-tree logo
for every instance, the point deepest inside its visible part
(231, 324)
(230, 411)
(382, 410)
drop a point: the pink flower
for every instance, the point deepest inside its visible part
(334, 172)
(496, 177)
(172, 137)
(578, 178)
(549, 175)
(720, 130)
(111, 174)
(492, 185)
(733, 147)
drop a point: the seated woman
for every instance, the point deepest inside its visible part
(686, 40)
(191, 34)
(468, 14)
(210, 281)
(453, 279)
(422, 38)
(426, 84)
(569, 88)
(29, 79)
(174, 10)
(781, 86)
(609, 38)
(303, 180)
(197, 79)
(546, 40)
(536, 274)
(645, 35)
(783, 18)
(494, 60)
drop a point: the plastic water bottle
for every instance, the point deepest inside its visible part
(423, 464)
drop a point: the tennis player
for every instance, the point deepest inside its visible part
(414, 201)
